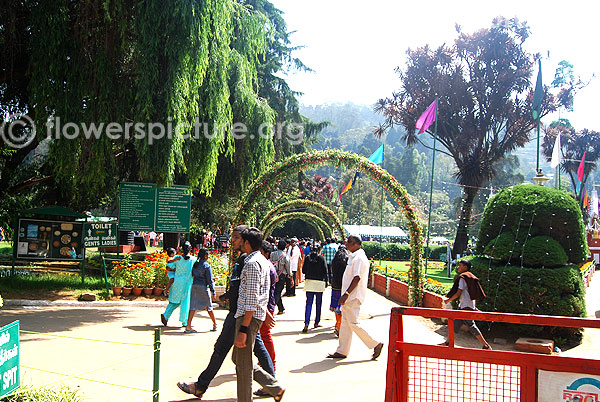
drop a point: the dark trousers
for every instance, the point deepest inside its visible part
(223, 345)
(278, 290)
(289, 289)
(309, 302)
(473, 329)
(246, 370)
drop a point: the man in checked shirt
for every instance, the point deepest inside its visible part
(251, 312)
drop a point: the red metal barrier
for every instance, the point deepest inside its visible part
(420, 372)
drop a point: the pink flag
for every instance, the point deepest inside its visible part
(580, 170)
(427, 118)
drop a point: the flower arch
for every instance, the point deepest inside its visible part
(340, 159)
(334, 221)
(318, 223)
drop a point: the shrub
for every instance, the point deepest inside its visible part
(547, 291)
(435, 252)
(395, 251)
(543, 251)
(527, 211)
(502, 247)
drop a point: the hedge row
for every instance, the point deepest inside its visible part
(550, 291)
(394, 251)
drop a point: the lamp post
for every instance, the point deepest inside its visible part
(539, 178)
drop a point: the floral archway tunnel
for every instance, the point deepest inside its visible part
(323, 228)
(296, 163)
(334, 221)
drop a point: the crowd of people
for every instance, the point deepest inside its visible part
(260, 274)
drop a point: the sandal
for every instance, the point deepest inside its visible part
(187, 388)
(190, 331)
(336, 355)
(163, 320)
(486, 347)
(214, 329)
(279, 396)
(261, 394)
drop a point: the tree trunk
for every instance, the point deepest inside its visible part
(462, 233)
(170, 240)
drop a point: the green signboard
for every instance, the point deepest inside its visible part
(173, 205)
(100, 234)
(145, 207)
(9, 358)
(137, 206)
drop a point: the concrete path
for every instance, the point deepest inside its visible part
(302, 365)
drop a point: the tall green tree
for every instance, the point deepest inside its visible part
(195, 61)
(483, 84)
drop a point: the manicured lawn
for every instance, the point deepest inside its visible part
(435, 270)
(5, 248)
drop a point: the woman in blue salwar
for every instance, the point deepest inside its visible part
(179, 294)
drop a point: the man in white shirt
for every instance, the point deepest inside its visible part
(293, 253)
(354, 290)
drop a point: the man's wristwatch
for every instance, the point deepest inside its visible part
(243, 329)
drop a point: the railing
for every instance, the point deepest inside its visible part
(421, 372)
(155, 391)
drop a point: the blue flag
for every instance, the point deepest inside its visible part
(377, 156)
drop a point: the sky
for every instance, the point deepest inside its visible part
(354, 46)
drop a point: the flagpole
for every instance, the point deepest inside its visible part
(537, 169)
(381, 211)
(431, 187)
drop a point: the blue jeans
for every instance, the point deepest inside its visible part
(309, 302)
(223, 345)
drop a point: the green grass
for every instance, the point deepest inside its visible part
(435, 270)
(55, 282)
(5, 248)
(51, 282)
(44, 394)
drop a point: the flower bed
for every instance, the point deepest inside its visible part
(587, 271)
(399, 290)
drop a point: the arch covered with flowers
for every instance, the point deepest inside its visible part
(323, 228)
(296, 163)
(334, 221)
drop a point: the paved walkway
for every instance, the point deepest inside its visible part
(301, 363)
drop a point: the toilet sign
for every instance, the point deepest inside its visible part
(100, 235)
(9, 358)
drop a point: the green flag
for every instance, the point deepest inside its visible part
(538, 94)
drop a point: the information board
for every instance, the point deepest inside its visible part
(173, 205)
(137, 206)
(145, 207)
(49, 240)
(9, 358)
(100, 235)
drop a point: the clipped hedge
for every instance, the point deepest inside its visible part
(547, 291)
(527, 211)
(395, 251)
(537, 252)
